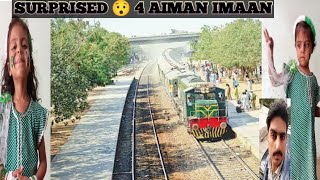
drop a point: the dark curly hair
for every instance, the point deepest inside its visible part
(278, 109)
(7, 80)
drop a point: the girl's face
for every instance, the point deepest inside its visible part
(19, 52)
(304, 47)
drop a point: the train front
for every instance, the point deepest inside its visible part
(206, 109)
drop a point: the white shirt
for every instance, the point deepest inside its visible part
(277, 174)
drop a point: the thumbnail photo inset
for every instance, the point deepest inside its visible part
(274, 127)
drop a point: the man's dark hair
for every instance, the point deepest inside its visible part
(278, 109)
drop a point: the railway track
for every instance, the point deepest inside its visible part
(149, 161)
(143, 159)
(225, 162)
(138, 154)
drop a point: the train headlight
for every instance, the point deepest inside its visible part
(223, 125)
(209, 128)
(195, 126)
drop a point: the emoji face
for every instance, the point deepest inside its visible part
(121, 8)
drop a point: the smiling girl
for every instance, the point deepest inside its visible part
(23, 119)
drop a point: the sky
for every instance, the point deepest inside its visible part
(157, 26)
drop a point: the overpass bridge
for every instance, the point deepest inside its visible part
(164, 38)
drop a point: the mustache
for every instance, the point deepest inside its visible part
(278, 152)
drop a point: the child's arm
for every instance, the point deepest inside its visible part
(317, 91)
(42, 166)
(43, 161)
(275, 78)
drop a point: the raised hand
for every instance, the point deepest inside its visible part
(275, 78)
(268, 39)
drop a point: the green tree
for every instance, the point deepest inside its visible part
(83, 56)
(235, 45)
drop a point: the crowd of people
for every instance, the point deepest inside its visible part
(246, 99)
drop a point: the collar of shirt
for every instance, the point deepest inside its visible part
(276, 175)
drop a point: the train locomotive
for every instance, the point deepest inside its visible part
(202, 106)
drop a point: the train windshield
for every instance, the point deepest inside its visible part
(199, 96)
(211, 96)
(207, 96)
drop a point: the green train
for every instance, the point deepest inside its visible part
(202, 105)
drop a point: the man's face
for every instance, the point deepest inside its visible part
(277, 140)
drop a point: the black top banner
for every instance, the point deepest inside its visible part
(143, 9)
